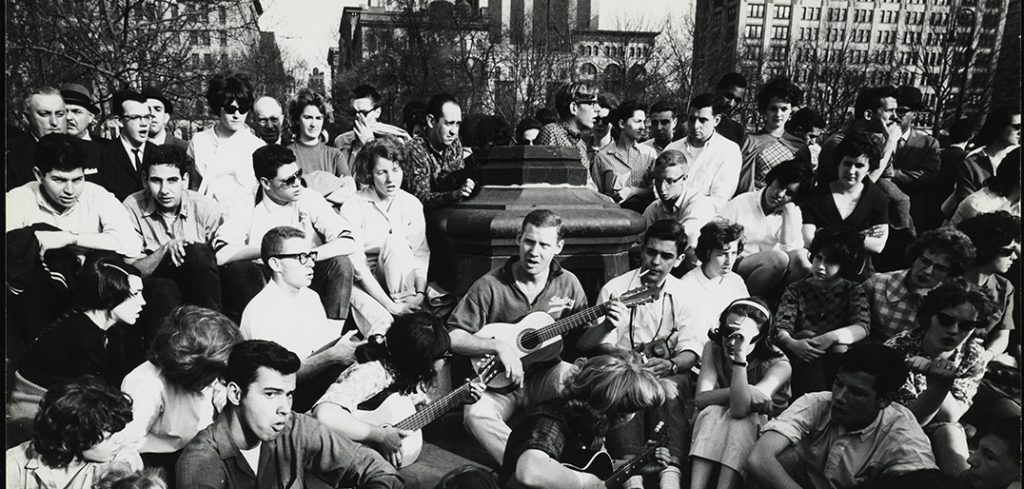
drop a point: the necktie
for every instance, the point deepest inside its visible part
(138, 163)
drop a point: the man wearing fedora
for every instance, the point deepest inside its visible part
(916, 162)
(162, 110)
(81, 113)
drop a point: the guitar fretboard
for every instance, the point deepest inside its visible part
(435, 409)
(562, 326)
(620, 476)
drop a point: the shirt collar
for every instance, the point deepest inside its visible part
(571, 131)
(128, 148)
(159, 139)
(896, 289)
(870, 428)
(906, 136)
(149, 205)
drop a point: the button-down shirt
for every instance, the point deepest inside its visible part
(714, 167)
(274, 306)
(213, 461)
(692, 210)
(706, 298)
(197, 220)
(95, 211)
(563, 135)
(836, 458)
(25, 469)
(630, 166)
(225, 164)
(434, 175)
(762, 231)
(893, 305)
(246, 224)
(661, 319)
(654, 144)
(374, 221)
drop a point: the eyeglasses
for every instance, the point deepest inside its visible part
(290, 181)
(585, 101)
(231, 109)
(305, 258)
(364, 113)
(962, 324)
(669, 181)
(137, 117)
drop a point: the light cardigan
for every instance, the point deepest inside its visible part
(165, 417)
(373, 221)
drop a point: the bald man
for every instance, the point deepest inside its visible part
(269, 121)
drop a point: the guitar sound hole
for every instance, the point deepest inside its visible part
(530, 340)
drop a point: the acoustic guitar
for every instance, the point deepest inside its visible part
(537, 336)
(399, 410)
(600, 463)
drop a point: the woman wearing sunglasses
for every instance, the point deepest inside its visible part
(946, 366)
(405, 360)
(996, 238)
(223, 153)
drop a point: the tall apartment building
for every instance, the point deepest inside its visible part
(939, 46)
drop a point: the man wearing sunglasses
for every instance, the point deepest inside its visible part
(283, 201)
(122, 160)
(946, 366)
(223, 153)
(916, 162)
(288, 312)
(773, 253)
(365, 109)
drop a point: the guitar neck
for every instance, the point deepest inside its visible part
(619, 477)
(435, 409)
(572, 322)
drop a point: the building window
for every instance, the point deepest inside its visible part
(224, 38)
(779, 53)
(754, 31)
(174, 11)
(588, 71)
(193, 38)
(780, 32)
(222, 14)
(783, 11)
(195, 61)
(754, 52)
(730, 14)
(810, 13)
(208, 61)
(204, 38)
(837, 15)
(755, 11)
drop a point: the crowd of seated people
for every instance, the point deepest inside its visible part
(825, 311)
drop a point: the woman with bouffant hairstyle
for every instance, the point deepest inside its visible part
(71, 444)
(177, 392)
(600, 393)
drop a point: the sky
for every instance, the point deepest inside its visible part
(305, 29)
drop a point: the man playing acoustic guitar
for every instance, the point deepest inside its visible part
(530, 282)
(558, 444)
(655, 331)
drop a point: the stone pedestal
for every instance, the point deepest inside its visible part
(472, 237)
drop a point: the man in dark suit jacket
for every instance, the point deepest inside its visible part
(916, 162)
(123, 158)
(45, 112)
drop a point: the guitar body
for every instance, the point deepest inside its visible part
(394, 409)
(596, 463)
(520, 334)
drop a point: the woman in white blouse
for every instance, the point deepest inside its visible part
(179, 390)
(387, 224)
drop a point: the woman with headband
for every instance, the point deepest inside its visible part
(90, 340)
(743, 380)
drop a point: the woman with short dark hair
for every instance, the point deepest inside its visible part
(1000, 193)
(88, 341)
(71, 444)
